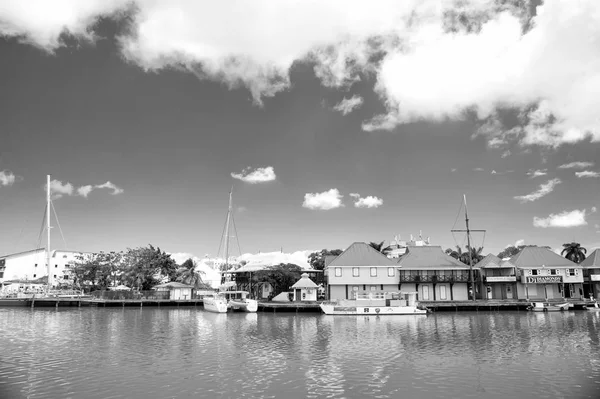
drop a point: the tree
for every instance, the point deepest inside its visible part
(97, 270)
(511, 250)
(187, 273)
(463, 256)
(317, 259)
(380, 248)
(574, 252)
(281, 277)
(147, 267)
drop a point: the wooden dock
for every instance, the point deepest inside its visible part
(289, 307)
(490, 305)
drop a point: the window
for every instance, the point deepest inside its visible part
(390, 272)
(373, 272)
(443, 292)
(35, 275)
(338, 272)
(36, 265)
(553, 272)
(373, 288)
(572, 272)
(534, 272)
(55, 276)
(55, 266)
(355, 272)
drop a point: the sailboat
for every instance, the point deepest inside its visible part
(226, 299)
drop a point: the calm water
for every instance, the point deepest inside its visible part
(172, 353)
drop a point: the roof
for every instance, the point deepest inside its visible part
(538, 256)
(491, 261)
(361, 254)
(22, 253)
(429, 257)
(592, 260)
(305, 282)
(173, 284)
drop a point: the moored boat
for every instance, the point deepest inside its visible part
(548, 307)
(376, 303)
(215, 303)
(593, 306)
(239, 301)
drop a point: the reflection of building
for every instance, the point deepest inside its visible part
(591, 274)
(499, 278)
(542, 274)
(400, 247)
(433, 274)
(32, 265)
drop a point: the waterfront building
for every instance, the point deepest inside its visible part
(543, 274)
(499, 278)
(591, 274)
(399, 247)
(305, 289)
(360, 268)
(433, 274)
(177, 291)
(32, 265)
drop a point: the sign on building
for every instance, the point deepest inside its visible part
(543, 279)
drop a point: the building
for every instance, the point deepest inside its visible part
(305, 289)
(399, 247)
(360, 268)
(543, 274)
(499, 278)
(32, 265)
(591, 274)
(177, 291)
(433, 274)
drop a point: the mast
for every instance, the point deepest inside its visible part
(469, 247)
(48, 227)
(227, 230)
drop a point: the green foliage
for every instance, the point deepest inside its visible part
(380, 248)
(187, 274)
(463, 256)
(97, 271)
(317, 259)
(281, 277)
(146, 267)
(512, 250)
(574, 252)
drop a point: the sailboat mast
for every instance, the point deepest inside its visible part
(227, 229)
(48, 227)
(469, 247)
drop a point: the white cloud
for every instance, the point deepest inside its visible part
(431, 59)
(366, 202)
(453, 170)
(494, 172)
(593, 210)
(536, 173)
(58, 189)
(478, 169)
(209, 275)
(259, 175)
(543, 190)
(7, 178)
(299, 258)
(506, 154)
(326, 200)
(576, 165)
(573, 218)
(519, 242)
(587, 173)
(348, 105)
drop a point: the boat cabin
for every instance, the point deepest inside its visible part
(235, 295)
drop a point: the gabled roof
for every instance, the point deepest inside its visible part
(538, 256)
(305, 282)
(430, 257)
(592, 260)
(361, 254)
(491, 261)
(22, 253)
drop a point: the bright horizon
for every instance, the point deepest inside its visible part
(334, 123)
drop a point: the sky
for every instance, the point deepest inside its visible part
(333, 121)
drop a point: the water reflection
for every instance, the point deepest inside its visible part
(131, 353)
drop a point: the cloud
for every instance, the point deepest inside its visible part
(587, 173)
(544, 189)
(58, 189)
(593, 210)
(259, 175)
(453, 170)
(519, 242)
(506, 154)
(366, 202)
(7, 178)
(494, 172)
(573, 218)
(348, 105)
(478, 169)
(536, 173)
(576, 165)
(432, 60)
(324, 201)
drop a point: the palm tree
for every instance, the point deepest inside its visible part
(380, 248)
(574, 252)
(187, 274)
(476, 255)
(456, 254)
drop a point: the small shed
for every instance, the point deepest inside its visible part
(177, 291)
(305, 289)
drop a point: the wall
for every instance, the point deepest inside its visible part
(364, 276)
(23, 266)
(337, 292)
(181, 293)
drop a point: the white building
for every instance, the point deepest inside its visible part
(32, 265)
(399, 247)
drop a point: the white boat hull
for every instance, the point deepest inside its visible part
(334, 309)
(215, 305)
(248, 305)
(544, 307)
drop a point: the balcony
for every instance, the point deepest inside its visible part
(460, 278)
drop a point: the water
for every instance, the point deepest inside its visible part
(186, 352)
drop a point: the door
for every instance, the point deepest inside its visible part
(509, 294)
(490, 295)
(568, 290)
(425, 292)
(443, 292)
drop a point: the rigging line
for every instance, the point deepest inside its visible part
(39, 242)
(222, 237)
(58, 224)
(237, 237)
(457, 214)
(19, 237)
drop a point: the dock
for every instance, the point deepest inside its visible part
(289, 307)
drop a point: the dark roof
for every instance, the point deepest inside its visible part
(592, 260)
(429, 257)
(538, 256)
(361, 254)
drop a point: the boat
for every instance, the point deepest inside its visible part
(593, 306)
(215, 302)
(548, 307)
(376, 303)
(239, 301)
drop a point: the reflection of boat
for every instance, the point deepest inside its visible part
(548, 307)
(215, 303)
(593, 306)
(238, 300)
(376, 303)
